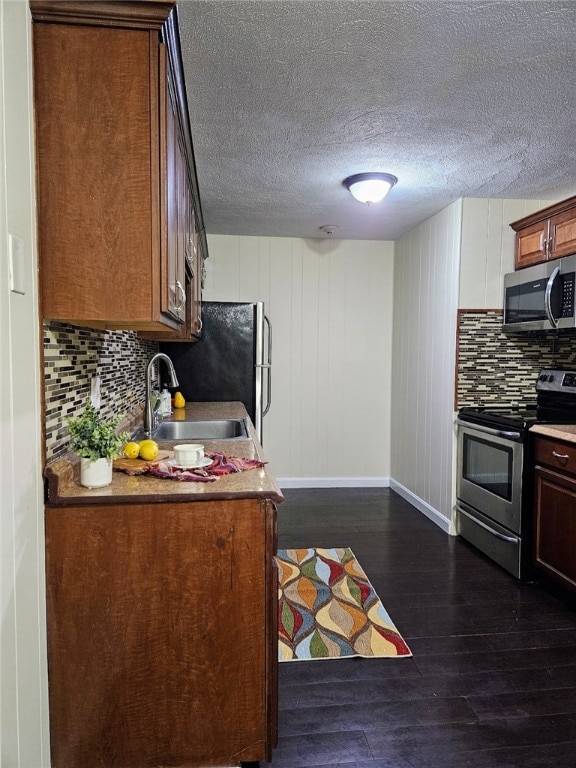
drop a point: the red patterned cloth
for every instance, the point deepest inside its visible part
(222, 465)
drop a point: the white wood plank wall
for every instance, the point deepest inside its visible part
(24, 739)
(425, 304)
(330, 303)
(487, 251)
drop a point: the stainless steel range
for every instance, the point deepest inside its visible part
(494, 485)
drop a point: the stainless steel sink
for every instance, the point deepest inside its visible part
(212, 429)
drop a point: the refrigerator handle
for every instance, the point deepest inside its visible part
(268, 367)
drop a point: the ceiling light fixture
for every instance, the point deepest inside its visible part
(370, 187)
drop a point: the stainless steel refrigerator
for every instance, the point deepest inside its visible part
(232, 360)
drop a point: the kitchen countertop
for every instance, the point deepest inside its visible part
(558, 431)
(63, 486)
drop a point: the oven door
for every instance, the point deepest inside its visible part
(489, 475)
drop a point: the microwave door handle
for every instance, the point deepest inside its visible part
(547, 297)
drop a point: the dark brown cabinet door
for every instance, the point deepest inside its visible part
(197, 253)
(555, 534)
(174, 293)
(96, 188)
(162, 633)
(531, 245)
(563, 234)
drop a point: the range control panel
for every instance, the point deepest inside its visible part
(568, 295)
(551, 380)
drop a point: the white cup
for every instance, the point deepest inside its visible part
(188, 454)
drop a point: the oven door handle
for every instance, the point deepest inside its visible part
(512, 539)
(489, 431)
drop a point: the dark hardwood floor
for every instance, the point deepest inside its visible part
(492, 679)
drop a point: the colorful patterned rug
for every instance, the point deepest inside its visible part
(329, 610)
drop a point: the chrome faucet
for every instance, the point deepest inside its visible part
(150, 411)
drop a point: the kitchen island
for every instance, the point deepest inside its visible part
(162, 614)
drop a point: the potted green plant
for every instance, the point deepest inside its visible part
(97, 442)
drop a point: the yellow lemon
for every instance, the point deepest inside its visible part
(131, 450)
(148, 450)
(179, 401)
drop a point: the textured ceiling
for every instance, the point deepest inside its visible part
(473, 98)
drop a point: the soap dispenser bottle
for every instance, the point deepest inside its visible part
(165, 408)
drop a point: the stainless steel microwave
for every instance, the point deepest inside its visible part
(540, 297)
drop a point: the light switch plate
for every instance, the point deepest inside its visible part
(17, 264)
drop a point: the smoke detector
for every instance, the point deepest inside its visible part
(328, 229)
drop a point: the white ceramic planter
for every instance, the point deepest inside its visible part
(95, 474)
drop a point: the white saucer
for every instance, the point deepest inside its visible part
(206, 461)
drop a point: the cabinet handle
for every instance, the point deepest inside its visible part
(563, 456)
(543, 242)
(182, 295)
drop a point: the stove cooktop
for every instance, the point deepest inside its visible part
(555, 404)
(507, 415)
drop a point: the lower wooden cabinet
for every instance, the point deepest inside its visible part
(162, 633)
(555, 512)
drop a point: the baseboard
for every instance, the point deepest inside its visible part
(371, 482)
(422, 506)
(333, 482)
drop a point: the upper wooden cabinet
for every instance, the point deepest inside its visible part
(115, 168)
(546, 234)
(187, 251)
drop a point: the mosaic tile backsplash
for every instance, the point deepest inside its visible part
(495, 367)
(72, 357)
